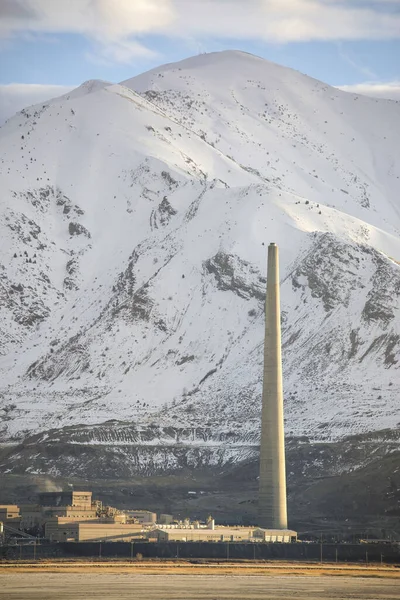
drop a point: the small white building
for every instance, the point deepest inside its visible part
(204, 534)
(284, 536)
(222, 534)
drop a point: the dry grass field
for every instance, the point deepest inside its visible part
(180, 580)
(119, 582)
(201, 567)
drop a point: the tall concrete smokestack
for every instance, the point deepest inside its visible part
(272, 492)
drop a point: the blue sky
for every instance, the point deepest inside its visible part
(48, 46)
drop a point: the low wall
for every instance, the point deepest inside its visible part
(387, 553)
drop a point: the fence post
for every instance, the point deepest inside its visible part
(321, 547)
(336, 554)
(99, 549)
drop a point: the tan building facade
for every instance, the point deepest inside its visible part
(81, 500)
(10, 514)
(77, 506)
(35, 515)
(59, 529)
(141, 516)
(31, 515)
(165, 519)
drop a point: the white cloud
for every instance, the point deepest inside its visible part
(286, 20)
(389, 90)
(116, 25)
(122, 51)
(16, 96)
(109, 19)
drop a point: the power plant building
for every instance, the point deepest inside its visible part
(67, 530)
(141, 516)
(81, 500)
(71, 504)
(10, 514)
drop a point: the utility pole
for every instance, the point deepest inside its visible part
(321, 549)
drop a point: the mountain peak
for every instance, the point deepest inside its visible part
(88, 87)
(221, 69)
(134, 231)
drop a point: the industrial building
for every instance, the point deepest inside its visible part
(141, 516)
(58, 529)
(36, 515)
(74, 516)
(72, 505)
(10, 514)
(225, 534)
(74, 499)
(84, 520)
(165, 519)
(285, 536)
(222, 534)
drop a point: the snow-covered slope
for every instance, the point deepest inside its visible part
(134, 225)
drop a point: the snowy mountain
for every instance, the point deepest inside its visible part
(134, 224)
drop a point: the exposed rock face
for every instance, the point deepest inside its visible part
(235, 275)
(77, 229)
(132, 281)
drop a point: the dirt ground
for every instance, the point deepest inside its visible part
(166, 586)
(109, 580)
(200, 567)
